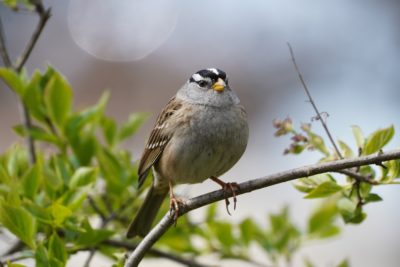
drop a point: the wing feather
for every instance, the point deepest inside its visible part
(159, 138)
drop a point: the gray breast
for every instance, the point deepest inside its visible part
(209, 145)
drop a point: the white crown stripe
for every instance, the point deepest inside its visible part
(214, 70)
(197, 77)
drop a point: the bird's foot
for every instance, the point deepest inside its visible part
(174, 206)
(228, 188)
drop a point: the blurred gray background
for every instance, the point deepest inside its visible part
(143, 51)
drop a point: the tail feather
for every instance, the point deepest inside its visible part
(143, 220)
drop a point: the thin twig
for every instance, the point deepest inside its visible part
(17, 246)
(44, 15)
(251, 185)
(350, 173)
(90, 257)
(358, 177)
(14, 258)
(313, 103)
(96, 208)
(26, 118)
(3, 47)
(156, 252)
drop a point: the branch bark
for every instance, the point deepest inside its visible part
(156, 253)
(3, 47)
(251, 185)
(44, 15)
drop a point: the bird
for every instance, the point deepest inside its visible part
(200, 134)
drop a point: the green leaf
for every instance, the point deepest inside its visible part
(13, 4)
(83, 176)
(92, 237)
(37, 133)
(224, 235)
(323, 190)
(321, 221)
(211, 212)
(84, 147)
(248, 229)
(58, 99)
(392, 172)
(73, 199)
(32, 180)
(57, 248)
(88, 116)
(12, 79)
(33, 97)
(132, 125)
(19, 222)
(5, 178)
(110, 130)
(358, 135)
(112, 171)
(308, 184)
(346, 208)
(365, 189)
(344, 263)
(59, 213)
(351, 213)
(10, 264)
(41, 214)
(283, 237)
(17, 161)
(42, 257)
(52, 181)
(373, 198)
(378, 139)
(176, 239)
(347, 152)
(62, 167)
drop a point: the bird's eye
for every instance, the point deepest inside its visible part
(202, 83)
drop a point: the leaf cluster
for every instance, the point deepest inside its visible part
(355, 191)
(81, 172)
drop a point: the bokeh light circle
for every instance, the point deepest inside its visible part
(123, 30)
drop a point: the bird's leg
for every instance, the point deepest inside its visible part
(174, 202)
(228, 187)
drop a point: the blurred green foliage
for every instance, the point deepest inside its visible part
(350, 194)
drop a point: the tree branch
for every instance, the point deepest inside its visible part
(156, 253)
(358, 177)
(27, 121)
(44, 15)
(319, 117)
(3, 47)
(251, 185)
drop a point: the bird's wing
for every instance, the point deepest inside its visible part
(159, 137)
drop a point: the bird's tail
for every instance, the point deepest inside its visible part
(143, 220)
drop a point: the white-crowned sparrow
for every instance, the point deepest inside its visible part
(200, 134)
